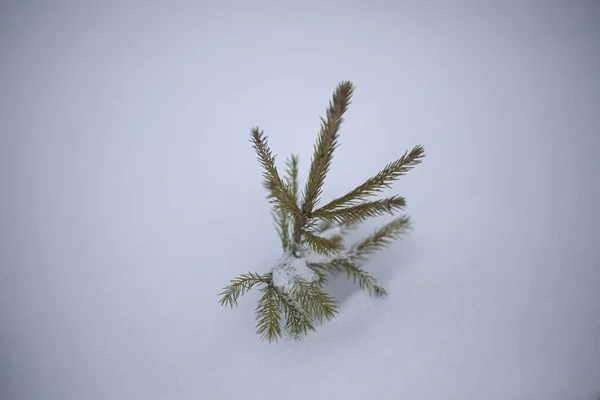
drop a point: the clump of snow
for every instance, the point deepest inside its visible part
(291, 268)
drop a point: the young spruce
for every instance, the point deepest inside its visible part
(312, 235)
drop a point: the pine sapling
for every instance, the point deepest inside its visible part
(312, 236)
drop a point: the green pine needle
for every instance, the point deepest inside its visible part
(281, 217)
(291, 175)
(317, 302)
(297, 320)
(282, 227)
(361, 212)
(268, 314)
(278, 193)
(379, 182)
(382, 237)
(327, 142)
(364, 279)
(239, 286)
(323, 245)
(358, 275)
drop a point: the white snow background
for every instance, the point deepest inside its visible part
(130, 196)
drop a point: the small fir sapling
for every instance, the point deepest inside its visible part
(312, 236)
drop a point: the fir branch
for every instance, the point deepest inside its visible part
(312, 298)
(327, 142)
(239, 286)
(291, 175)
(297, 320)
(278, 192)
(382, 237)
(282, 226)
(322, 245)
(364, 279)
(379, 182)
(361, 212)
(332, 266)
(268, 314)
(280, 215)
(322, 277)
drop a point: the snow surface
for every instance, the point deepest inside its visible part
(130, 196)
